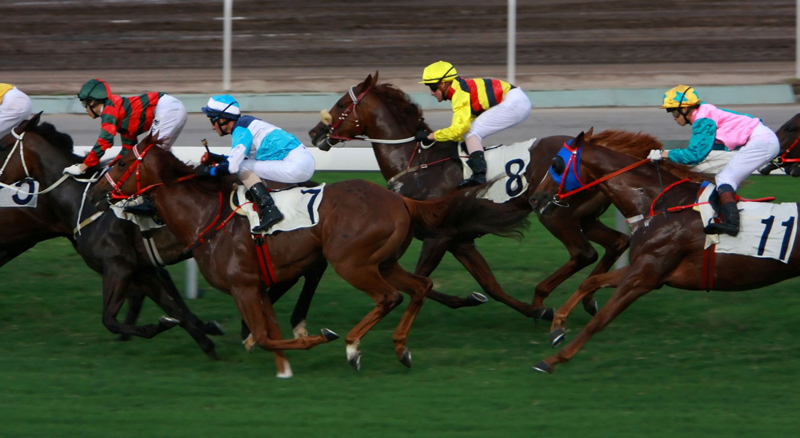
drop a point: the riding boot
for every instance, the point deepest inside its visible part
(476, 162)
(729, 212)
(146, 208)
(268, 213)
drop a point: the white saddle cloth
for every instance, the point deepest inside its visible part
(299, 205)
(766, 230)
(144, 222)
(508, 163)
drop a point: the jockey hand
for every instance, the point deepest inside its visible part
(203, 170)
(421, 136)
(76, 169)
(212, 158)
(655, 155)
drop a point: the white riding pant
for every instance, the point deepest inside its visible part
(296, 167)
(514, 109)
(169, 119)
(15, 108)
(762, 147)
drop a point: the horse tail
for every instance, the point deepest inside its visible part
(462, 212)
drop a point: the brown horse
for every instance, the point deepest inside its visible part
(788, 159)
(386, 115)
(113, 247)
(362, 231)
(666, 247)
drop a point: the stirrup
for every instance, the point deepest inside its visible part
(264, 226)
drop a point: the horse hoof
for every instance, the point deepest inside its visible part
(406, 359)
(213, 328)
(544, 313)
(329, 335)
(543, 367)
(591, 308)
(476, 299)
(168, 322)
(355, 361)
(557, 336)
(249, 343)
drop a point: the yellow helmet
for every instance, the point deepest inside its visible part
(439, 71)
(680, 96)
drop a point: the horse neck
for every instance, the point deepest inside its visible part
(634, 191)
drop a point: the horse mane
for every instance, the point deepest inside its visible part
(638, 145)
(173, 168)
(402, 108)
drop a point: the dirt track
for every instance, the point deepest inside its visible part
(314, 35)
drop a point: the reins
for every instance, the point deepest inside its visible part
(21, 146)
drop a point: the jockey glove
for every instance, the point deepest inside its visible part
(655, 155)
(220, 170)
(421, 136)
(210, 157)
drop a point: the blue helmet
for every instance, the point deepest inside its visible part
(222, 106)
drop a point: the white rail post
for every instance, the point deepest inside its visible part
(191, 291)
(512, 40)
(226, 44)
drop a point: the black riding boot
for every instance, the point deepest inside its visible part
(476, 162)
(267, 211)
(146, 208)
(729, 212)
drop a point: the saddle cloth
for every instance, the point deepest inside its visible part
(508, 164)
(144, 222)
(299, 205)
(766, 230)
(23, 193)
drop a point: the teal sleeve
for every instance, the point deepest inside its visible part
(242, 136)
(704, 131)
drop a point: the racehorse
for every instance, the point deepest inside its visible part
(361, 228)
(667, 239)
(110, 246)
(789, 156)
(385, 116)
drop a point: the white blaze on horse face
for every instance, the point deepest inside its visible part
(325, 117)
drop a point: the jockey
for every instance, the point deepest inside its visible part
(481, 107)
(128, 116)
(258, 150)
(715, 128)
(15, 107)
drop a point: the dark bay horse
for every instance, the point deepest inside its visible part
(788, 158)
(384, 113)
(362, 230)
(666, 249)
(112, 247)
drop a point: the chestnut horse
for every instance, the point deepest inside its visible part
(362, 230)
(384, 113)
(666, 249)
(110, 246)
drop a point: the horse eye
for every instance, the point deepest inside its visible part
(339, 105)
(558, 165)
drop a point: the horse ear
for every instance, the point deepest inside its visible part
(368, 80)
(376, 77)
(588, 135)
(30, 124)
(579, 139)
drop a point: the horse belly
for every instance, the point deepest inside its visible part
(731, 273)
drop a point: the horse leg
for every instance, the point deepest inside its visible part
(615, 244)
(588, 287)
(417, 288)
(115, 280)
(624, 295)
(368, 280)
(135, 303)
(581, 255)
(433, 250)
(466, 253)
(312, 278)
(212, 328)
(165, 294)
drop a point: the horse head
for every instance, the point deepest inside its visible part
(563, 176)
(343, 120)
(789, 156)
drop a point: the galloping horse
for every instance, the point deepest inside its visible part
(361, 228)
(667, 239)
(112, 247)
(385, 115)
(788, 158)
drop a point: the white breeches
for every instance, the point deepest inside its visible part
(514, 109)
(168, 120)
(296, 167)
(15, 108)
(762, 146)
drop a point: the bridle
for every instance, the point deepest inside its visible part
(116, 194)
(354, 100)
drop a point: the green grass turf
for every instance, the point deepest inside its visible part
(676, 363)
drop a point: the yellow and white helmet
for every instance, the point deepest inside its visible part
(681, 96)
(439, 71)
